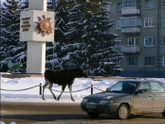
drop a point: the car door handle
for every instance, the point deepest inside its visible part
(150, 95)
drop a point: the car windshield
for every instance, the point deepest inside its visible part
(123, 87)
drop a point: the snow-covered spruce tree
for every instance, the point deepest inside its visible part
(91, 40)
(13, 50)
(56, 51)
(2, 45)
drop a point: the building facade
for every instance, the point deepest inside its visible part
(141, 28)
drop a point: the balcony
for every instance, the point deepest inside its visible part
(130, 7)
(130, 11)
(130, 25)
(130, 30)
(130, 49)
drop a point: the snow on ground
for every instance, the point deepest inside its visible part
(15, 90)
(18, 88)
(2, 122)
(18, 94)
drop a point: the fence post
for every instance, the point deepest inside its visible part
(40, 89)
(91, 89)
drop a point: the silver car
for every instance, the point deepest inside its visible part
(125, 98)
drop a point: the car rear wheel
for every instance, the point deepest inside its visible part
(123, 112)
(93, 114)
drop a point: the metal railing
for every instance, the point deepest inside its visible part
(40, 89)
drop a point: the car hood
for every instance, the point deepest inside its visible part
(105, 94)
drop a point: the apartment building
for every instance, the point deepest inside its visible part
(141, 28)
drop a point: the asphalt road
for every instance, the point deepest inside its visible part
(63, 113)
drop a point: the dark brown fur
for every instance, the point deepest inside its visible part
(65, 77)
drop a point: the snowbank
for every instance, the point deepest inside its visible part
(2, 122)
(27, 89)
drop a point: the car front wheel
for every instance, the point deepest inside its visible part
(123, 112)
(93, 114)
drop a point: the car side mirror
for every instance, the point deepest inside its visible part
(139, 92)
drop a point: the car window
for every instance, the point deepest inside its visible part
(145, 88)
(123, 87)
(163, 84)
(156, 87)
(117, 87)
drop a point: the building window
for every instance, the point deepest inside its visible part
(149, 22)
(130, 22)
(164, 41)
(108, 6)
(132, 41)
(132, 61)
(149, 61)
(164, 3)
(118, 42)
(118, 24)
(118, 6)
(149, 41)
(164, 21)
(163, 61)
(130, 3)
(149, 4)
(118, 62)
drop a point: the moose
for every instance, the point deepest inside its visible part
(64, 77)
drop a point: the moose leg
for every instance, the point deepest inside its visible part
(63, 88)
(70, 89)
(45, 85)
(50, 88)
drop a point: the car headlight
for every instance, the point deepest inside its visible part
(84, 101)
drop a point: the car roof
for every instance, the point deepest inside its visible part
(131, 80)
(141, 80)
